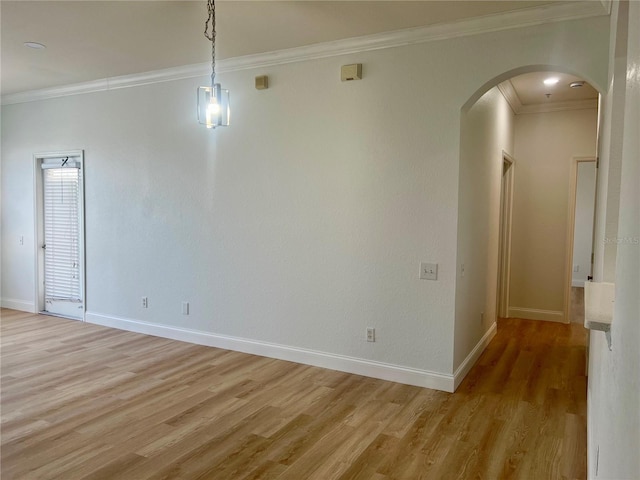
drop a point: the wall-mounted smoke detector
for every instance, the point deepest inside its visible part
(576, 84)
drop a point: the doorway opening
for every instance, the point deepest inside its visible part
(59, 205)
(555, 118)
(580, 233)
(504, 245)
(514, 253)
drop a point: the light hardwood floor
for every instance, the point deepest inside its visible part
(81, 401)
(577, 305)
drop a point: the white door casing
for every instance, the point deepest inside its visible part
(60, 272)
(504, 242)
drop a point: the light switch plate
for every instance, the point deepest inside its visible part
(428, 271)
(371, 334)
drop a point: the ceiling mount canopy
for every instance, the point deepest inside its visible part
(213, 100)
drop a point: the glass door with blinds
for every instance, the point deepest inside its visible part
(62, 235)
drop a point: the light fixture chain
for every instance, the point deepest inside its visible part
(212, 101)
(211, 8)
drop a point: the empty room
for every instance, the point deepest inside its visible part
(326, 240)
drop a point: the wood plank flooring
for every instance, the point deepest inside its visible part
(86, 402)
(576, 312)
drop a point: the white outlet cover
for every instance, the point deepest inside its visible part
(428, 271)
(371, 334)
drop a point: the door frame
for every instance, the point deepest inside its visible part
(571, 220)
(39, 226)
(504, 235)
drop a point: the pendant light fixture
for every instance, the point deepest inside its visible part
(213, 101)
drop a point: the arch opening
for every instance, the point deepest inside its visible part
(498, 79)
(541, 139)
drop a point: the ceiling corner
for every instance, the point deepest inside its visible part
(510, 95)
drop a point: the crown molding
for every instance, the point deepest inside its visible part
(113, 83)
(559, 106)
(544, 14)
(486, 24)
(510, 95)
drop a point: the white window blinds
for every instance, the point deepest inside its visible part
(61, 231)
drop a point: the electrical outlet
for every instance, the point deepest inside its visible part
(185, 308)
(21, 239)
(371, 334)
(576, 268)
(145, 302)
(428, 271)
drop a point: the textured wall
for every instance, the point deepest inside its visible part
(486, 132)
(304, 222)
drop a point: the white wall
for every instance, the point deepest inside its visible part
(486, 132)
(610, 156)
(544, 146)
(614, 375)
(301, 224)
(613, 165)
(583, 224)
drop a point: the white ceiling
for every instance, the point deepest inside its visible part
(531, 89)
(89, 40)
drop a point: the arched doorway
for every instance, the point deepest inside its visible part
(489, 131)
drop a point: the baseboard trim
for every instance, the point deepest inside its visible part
(342, 363)
(535, 314)
(21, 305)
(578, 283)
(473, 356)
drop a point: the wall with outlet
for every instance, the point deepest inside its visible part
(614, 375)
(17, 262)
(303, 223)
(486, 132)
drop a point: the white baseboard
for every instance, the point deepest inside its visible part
(473, 356)
(534, 314)
(577, 283)
(342, 363)
(22, 305)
